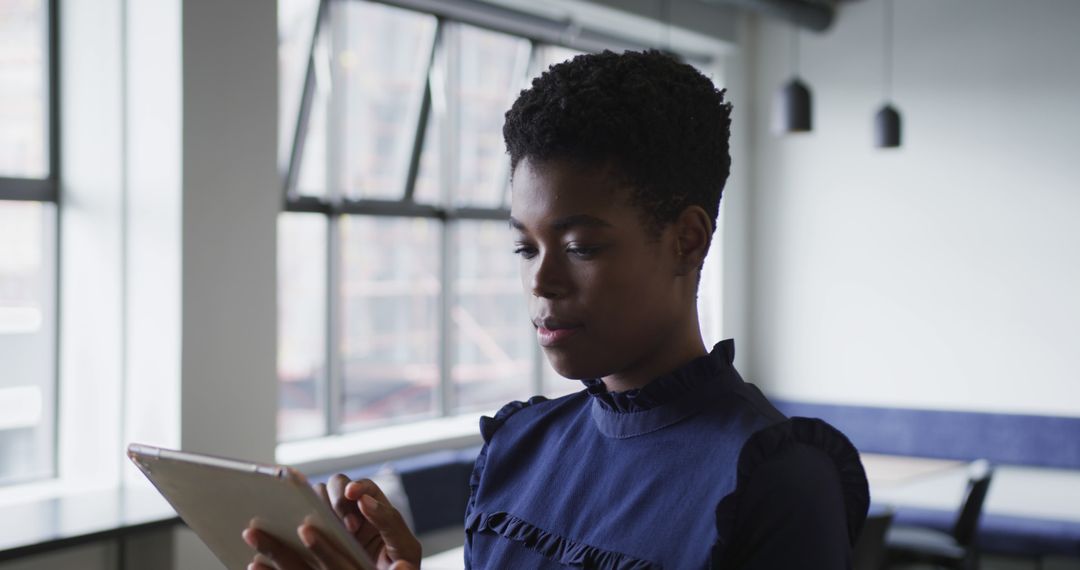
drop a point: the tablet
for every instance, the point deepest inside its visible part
(217, 498)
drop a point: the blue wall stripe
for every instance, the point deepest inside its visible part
(1044, 441)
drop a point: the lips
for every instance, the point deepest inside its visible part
(551, 331)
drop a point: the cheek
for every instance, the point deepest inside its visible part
(630, 293)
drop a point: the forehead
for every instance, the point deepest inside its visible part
(551, 189)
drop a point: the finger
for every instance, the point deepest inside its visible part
(400, 542)
(369, 538)
(320, 490)
(361, 487)
(328, 554)
(344, 507)
(283, 557)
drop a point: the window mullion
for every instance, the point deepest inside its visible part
(307, 98)
(335, 390)
(53, 72)
(448, 73)
(332, 393)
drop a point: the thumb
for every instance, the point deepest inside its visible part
(401, 545)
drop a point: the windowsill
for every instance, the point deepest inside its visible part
(45, 515)
(377, 445)
(54, 520)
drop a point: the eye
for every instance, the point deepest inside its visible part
(525, 251)
(581, 251)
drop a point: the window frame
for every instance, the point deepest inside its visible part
(334, 203)
(47, 191)
(17, 188)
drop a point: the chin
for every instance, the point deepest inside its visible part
(575, 367)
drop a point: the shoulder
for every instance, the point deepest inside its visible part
(521, 412)
(515, 417)
(798, 465)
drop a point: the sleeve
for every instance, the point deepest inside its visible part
(488, 427)
(800, 500)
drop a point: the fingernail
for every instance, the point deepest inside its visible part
(352, 523)
(251, 566)
(369, 502)
(249, 537)
(307, 536)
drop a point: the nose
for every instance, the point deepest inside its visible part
(546, 276)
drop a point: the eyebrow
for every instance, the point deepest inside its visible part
(565, 223)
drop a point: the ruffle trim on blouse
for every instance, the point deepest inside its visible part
(688, 378)
(554, 547)
(488, 426)
(775, 439)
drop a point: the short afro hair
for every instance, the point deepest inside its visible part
(662, 125)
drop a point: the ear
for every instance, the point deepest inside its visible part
(693, 235)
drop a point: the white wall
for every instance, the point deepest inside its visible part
(943, 274)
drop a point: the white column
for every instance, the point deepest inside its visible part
(231, 197)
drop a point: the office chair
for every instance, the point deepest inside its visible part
(870, 548)
(956, 550)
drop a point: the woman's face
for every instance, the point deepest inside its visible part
(604, 293)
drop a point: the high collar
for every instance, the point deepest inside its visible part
(664, 401)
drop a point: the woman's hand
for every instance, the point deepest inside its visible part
(369, 517)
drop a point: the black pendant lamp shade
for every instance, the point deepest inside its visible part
(794, 106)
(887, 127)
(887, 121)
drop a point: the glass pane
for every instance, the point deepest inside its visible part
(390, 318)
(381, 60)
(710, 295)
(27, 340)
(301, 325)
(24, 102)
(296, 23)
(312, 179)
(491, 69)
(493, 339)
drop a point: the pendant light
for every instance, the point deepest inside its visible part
(793, 101)
(887, 121)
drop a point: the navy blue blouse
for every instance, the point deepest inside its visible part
(695, 470)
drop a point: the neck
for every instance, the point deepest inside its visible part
(681, 348)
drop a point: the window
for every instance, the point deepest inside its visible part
(399, 297)
(28, 245)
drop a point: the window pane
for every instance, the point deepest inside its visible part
(550, 55)
(390, 317)
(312, 179)
(24, 99)
(710, 293)
(301, 325)
(381, 60)
(492, 69)
(296, 23)
(27, 340)
(493, 339)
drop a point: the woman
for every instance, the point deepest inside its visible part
(667, 458)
